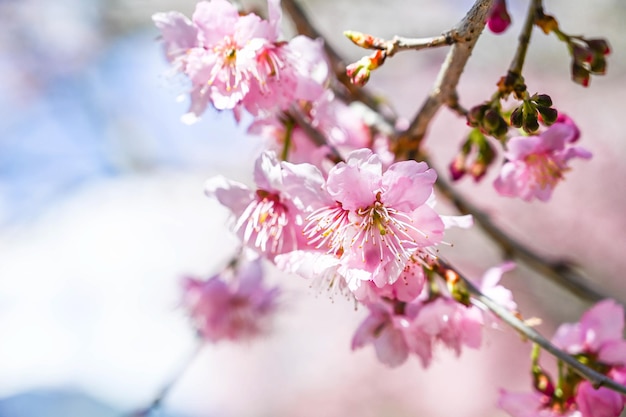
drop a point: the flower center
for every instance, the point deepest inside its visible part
(265, 223)
(387, 230)
(327, 227)
(545, 170)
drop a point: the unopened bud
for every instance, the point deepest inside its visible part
(548, 114)
(358, 73)
(457, 167)
(542, 100)
(581, 53)
(599, 46)
(517, 117)
(598, 65)
(531, 122)
(360, 39)
(546, 22)
(476, 114)
(580, 75)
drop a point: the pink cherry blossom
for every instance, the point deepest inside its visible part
(533, 404)
(268, 218)
(387, 332)
(601, 402)
(446, 321)
(498, 20)
(535, 164)
(379, 219)
(233, 305)
(599, 332)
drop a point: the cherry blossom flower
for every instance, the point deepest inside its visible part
(535, 164)
(232, 305)
(533, 404)
(379, 220)
(387, 332)
(599, 333)
(269, 219)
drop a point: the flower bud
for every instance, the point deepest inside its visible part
(498, 19)
(599, 46)
(358, 73)
(517, 117)
(531, 122)
(361, 39)
(457, 167)
(494, 124)
(476, 114)
(548, 114)
(598, 65)
(542, 100)
(580, 75)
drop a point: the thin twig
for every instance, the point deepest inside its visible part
(597, 379)
(338, 65)
(524, 38)
(444, 90)
(557, 271)
(165, 390)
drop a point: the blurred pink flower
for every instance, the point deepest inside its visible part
(599, 333)
(535, 164)
(269, 219)
(532, 404)
(601, 402)
(233, 305)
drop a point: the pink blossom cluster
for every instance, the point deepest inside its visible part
(232, 305)
(236, 61)
(415, 314)
(597, 339)
(535, 164)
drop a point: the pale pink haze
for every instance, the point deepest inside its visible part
(535, 164)
(233, 305)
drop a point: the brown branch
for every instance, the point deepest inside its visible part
(444, 90)
(597, 379)
(558, 272)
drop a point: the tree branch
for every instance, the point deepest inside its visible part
(597, 379)
(444, 90)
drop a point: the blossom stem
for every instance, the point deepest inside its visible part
(597, 379)
(524, 38)
(354, 93)
(558, 271)
(167, 387)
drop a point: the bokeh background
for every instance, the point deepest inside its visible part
(102, 212)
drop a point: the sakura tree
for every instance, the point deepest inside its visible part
(345, 195)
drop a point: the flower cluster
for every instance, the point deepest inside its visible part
(535, 164)
(232, 305)
(237, 61)
(596, 340)
(331, 203)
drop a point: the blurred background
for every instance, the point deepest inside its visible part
(102, 211)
